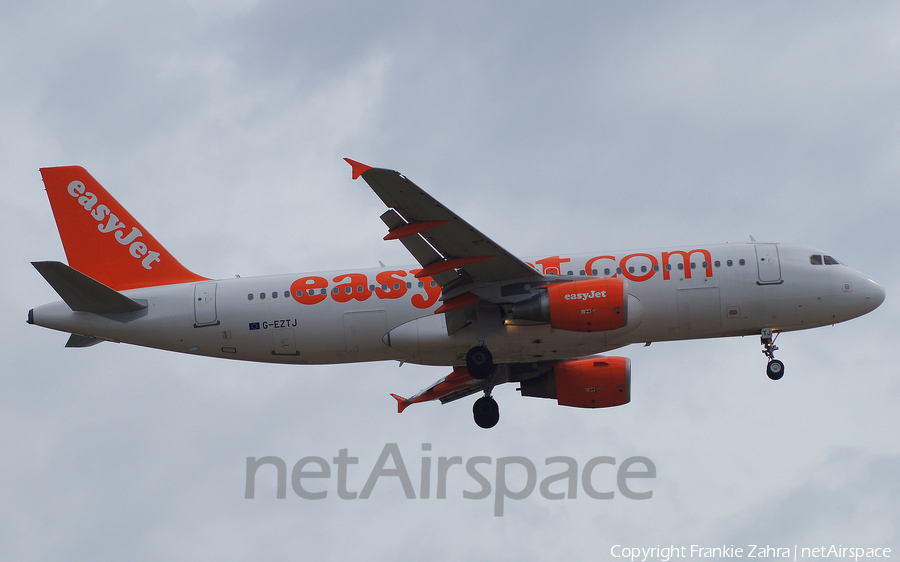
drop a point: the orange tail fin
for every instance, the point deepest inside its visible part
(102, 239)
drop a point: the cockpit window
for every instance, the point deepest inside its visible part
(815, 260)
(831, 261)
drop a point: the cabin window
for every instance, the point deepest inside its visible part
(705, 265)
(287, 294)
(656, 267)
(717, 263)
(680, 267)
(250, 297)
(396, 286)
(262, 296)
(606, 271)
(729, 263)
(274, 294)
(631, 269)
(594, 272)
(421, 284)
(742, 262)
(693, 265)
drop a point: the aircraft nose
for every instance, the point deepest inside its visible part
(874, 295)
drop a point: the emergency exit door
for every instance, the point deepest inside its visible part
(768, 263)
(205, 305)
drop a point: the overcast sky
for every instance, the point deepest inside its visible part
(554, 128)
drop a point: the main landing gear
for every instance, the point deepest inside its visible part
(486, 411)
(775, 368)
(479, 360)
(480, 364)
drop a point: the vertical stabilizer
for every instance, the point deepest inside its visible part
(102, 240)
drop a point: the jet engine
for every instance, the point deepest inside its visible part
(589, 305)
(595, 382)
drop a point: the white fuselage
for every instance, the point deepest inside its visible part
(388, 314)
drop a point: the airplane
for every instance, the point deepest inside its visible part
(468, 304)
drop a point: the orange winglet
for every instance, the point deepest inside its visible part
(412, 228)
(446, 265)
(456, 303)
(402, 403)
(358, 167)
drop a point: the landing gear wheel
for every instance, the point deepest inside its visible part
(775, 369)
(479, 362)
(487, 412)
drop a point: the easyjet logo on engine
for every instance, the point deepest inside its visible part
(585, 296)
(113, 225)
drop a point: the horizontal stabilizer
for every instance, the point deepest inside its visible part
(82, 293)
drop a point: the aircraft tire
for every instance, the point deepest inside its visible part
(479, 362)
(486, 411)
(775, 369)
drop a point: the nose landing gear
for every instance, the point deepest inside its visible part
(775, 368)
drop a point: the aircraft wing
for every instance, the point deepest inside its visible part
(457, 384)
(450, 250)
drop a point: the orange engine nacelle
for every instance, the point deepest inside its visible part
(598, 382)
(589, 305)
